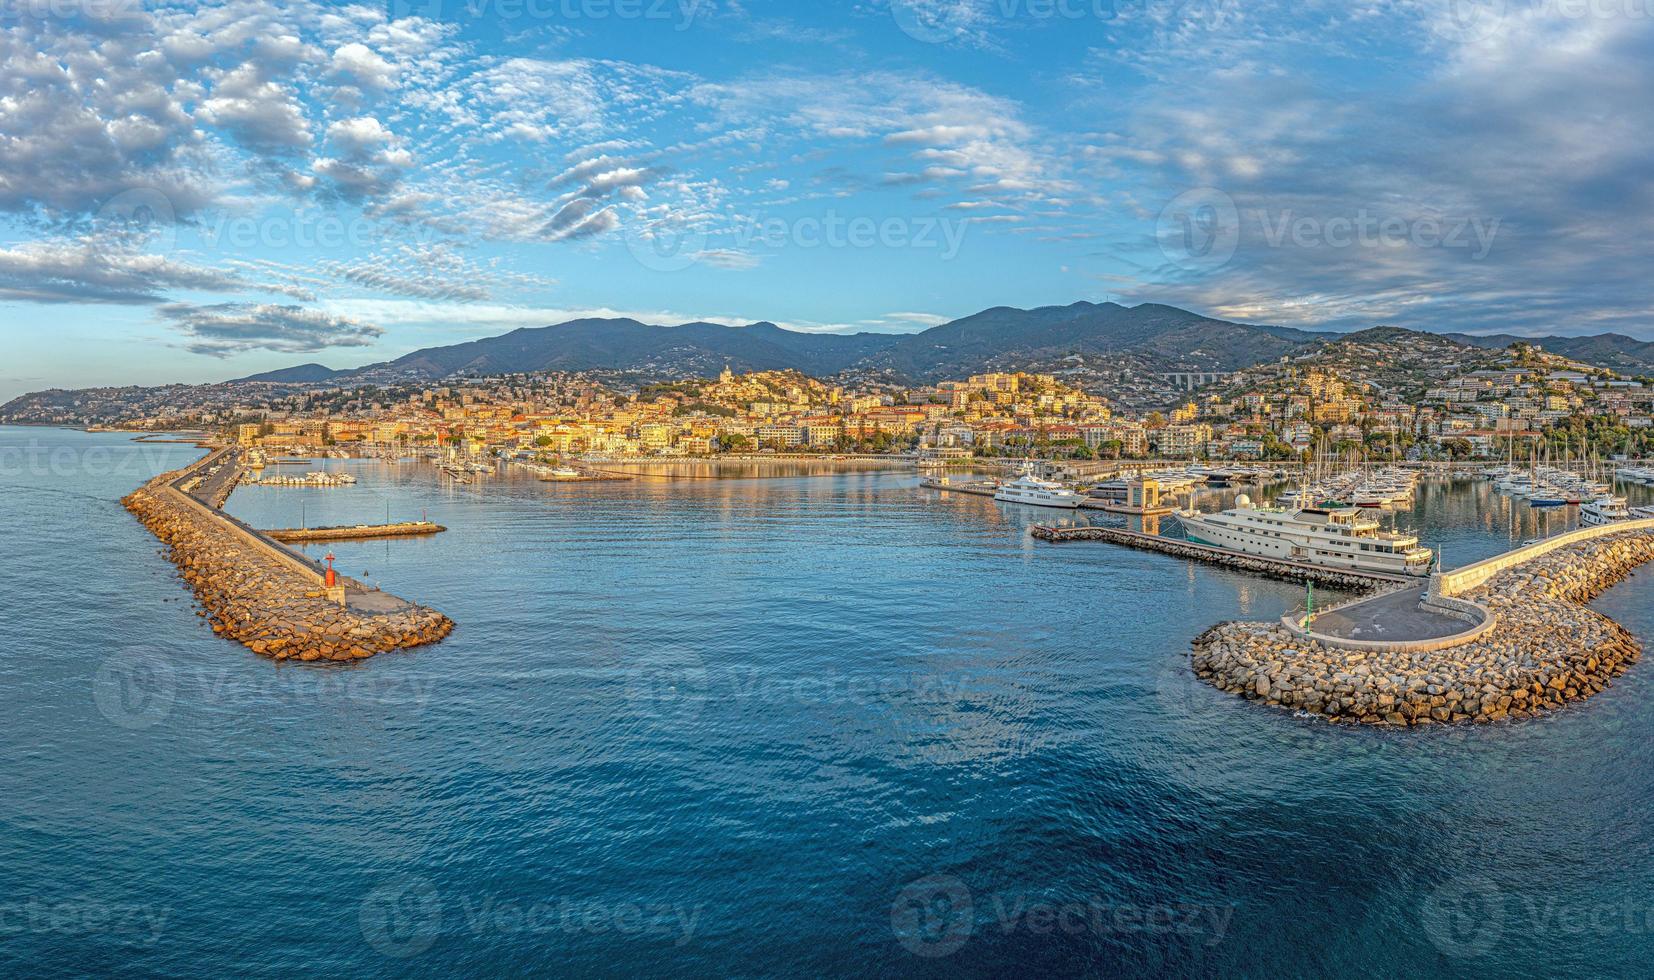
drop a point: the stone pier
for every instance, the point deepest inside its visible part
(269, 599)
(1530, 644)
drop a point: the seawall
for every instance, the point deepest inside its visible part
(1543, 649)
(265, 597)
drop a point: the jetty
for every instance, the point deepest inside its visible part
(261, 594)
(1181, 548)
(402, 529)
(1506, 638)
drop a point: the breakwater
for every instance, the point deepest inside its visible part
(404, 529)
(1544, 649)
(265, 597)
(1179, 548)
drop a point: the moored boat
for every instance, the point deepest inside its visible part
(1334, 537)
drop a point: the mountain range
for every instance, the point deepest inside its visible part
(998, 337)
(1149, 337)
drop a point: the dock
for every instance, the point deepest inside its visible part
(980, 488)
(1180, 548)
(402, 529)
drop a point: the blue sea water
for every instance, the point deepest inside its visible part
(798, 724)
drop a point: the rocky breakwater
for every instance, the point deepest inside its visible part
(1544, 650)
(275, 607)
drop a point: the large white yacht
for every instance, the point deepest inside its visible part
(1030, 489)
(1334, 537)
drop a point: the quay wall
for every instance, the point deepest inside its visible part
(1539, 648)
(1462, 580)
(267, 598)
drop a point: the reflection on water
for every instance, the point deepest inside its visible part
(776, 702)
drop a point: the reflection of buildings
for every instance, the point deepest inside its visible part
(1143, 523)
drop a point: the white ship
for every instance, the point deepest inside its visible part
(1604, 510)
(1030, 489)
(1333, 537)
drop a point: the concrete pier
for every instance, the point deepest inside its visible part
(257, 592)
(1179, 548)
(403, 529)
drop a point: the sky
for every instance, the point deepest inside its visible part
(200, 191)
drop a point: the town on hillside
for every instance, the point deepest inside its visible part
(1372, 396)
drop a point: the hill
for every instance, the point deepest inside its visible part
(628, 345)
(303, 374)
(1614, 351)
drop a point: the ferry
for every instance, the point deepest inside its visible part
(1604, 510)
(1333, 537)
(1030, 489)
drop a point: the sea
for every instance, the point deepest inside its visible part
(758, 721)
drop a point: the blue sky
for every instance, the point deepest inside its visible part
(198, 191)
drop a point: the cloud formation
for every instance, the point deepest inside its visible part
(225, 329)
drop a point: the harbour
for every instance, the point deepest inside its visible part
(893, 703)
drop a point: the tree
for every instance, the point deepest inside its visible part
(542, 441)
